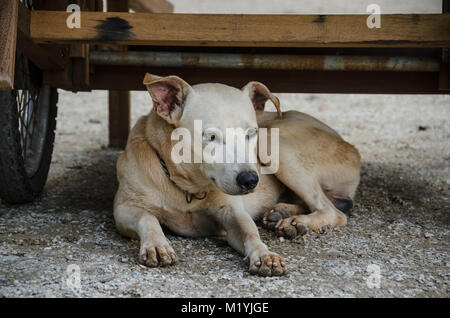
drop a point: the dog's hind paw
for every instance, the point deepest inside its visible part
(279, 212)
(274, 215)
(299, 225)
(294, 226)
(291, 230)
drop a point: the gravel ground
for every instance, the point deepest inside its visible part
(400, 222)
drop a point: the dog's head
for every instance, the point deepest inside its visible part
(219, 123)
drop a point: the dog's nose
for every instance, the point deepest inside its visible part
(247, 180)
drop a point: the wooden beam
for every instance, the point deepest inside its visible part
(45, 57)
(444, 74)
(80, 66)
(445, 6)
(24, 20)
(152, 6)
(59, 5)
(406, 30)
(119, 100)
(9, 11)
(53, 59)
(119, 118)
(280, 81)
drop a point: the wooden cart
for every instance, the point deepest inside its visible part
(113, 50)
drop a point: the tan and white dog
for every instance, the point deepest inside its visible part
(318, 173)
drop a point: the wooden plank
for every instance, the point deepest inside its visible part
(444, 74)
(54, 76)
(60, 78)
(119, 118)
(8, 32)
(81, 67)
(152, 6)
(119, 100)
(46, 57)
(117, 6)
(408, 30)
(444, 77)
(280, 81)
(59, 5)
(79, 53)
(24, 20)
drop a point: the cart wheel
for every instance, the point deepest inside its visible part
(27, 133)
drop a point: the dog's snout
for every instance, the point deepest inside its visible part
(247, 180)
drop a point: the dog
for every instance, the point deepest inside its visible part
(315, 183)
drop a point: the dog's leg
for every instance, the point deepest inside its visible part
(133, 221)
(281, 211)
(324, 213)
(242, 235)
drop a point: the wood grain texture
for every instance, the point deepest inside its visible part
(8, 34)
(279, 81)
(444, 74)
(45, 57)
(152, 6)
(119, 118)
(445, 6)
(119, 100)
(408, 30)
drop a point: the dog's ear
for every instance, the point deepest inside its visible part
(259, 94)
(168, 95)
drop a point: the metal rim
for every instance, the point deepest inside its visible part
(33, 106)
(33, 111)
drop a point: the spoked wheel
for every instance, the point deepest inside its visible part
(27, 133)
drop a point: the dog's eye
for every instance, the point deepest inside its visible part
(209, 136)
(212, 134)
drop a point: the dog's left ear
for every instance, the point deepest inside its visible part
(259, 94)
(168, 95)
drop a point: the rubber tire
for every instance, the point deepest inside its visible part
(15, 185)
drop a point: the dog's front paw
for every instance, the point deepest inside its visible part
(159, 255)
(266, 263)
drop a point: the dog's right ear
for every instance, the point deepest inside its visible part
(168, 95)
(259, 94)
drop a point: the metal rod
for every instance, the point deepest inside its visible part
(267, 61)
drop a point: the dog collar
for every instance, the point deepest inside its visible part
(189, 196)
